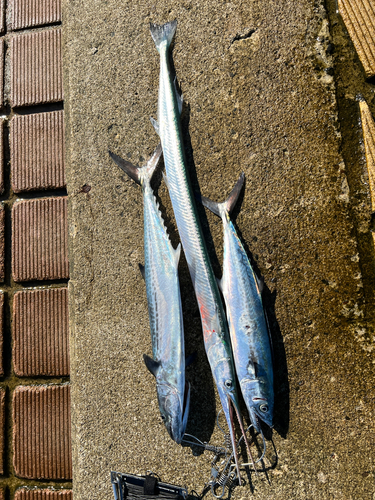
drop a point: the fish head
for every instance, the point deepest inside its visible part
(226, 385)
(174, 409)
(259, 399)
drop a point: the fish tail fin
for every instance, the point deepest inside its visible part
(163, 34)
(127, 167)
(211, 205)
(138, 173)
(153, 162)
(229, 203)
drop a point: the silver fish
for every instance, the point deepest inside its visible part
(215, 330)
(164, 305)
(247, 320)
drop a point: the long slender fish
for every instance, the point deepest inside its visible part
(215, 330)
(247, 321)
(164, 305)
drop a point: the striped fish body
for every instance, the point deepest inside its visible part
(165, 311)
(246, 317)
(215, 330)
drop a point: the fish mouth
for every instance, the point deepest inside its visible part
(174, 409)
(233, 409)
(177, 431)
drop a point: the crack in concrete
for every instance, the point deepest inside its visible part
(243, 36)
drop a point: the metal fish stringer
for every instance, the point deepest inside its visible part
(223, 469)
(222, 475)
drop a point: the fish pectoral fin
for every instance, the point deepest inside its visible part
(155, 124)
(152, 365)
(260, 283)
(142, 269)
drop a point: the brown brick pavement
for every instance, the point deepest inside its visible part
(2, 52)
(27, 13)
(2, 300)
(36, 68)
(39, 239)
(2, 16)
(41, 432)
(2, 242)
(1, 156)
(40, 333)
(37, 151)
(2, 429)
(43, 494)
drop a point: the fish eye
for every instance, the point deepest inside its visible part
(228, 384)
(263, 408)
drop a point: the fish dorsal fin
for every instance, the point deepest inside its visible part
(127, 167)
(152, 365)
(155, 125)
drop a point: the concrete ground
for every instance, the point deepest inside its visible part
(260, 98)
